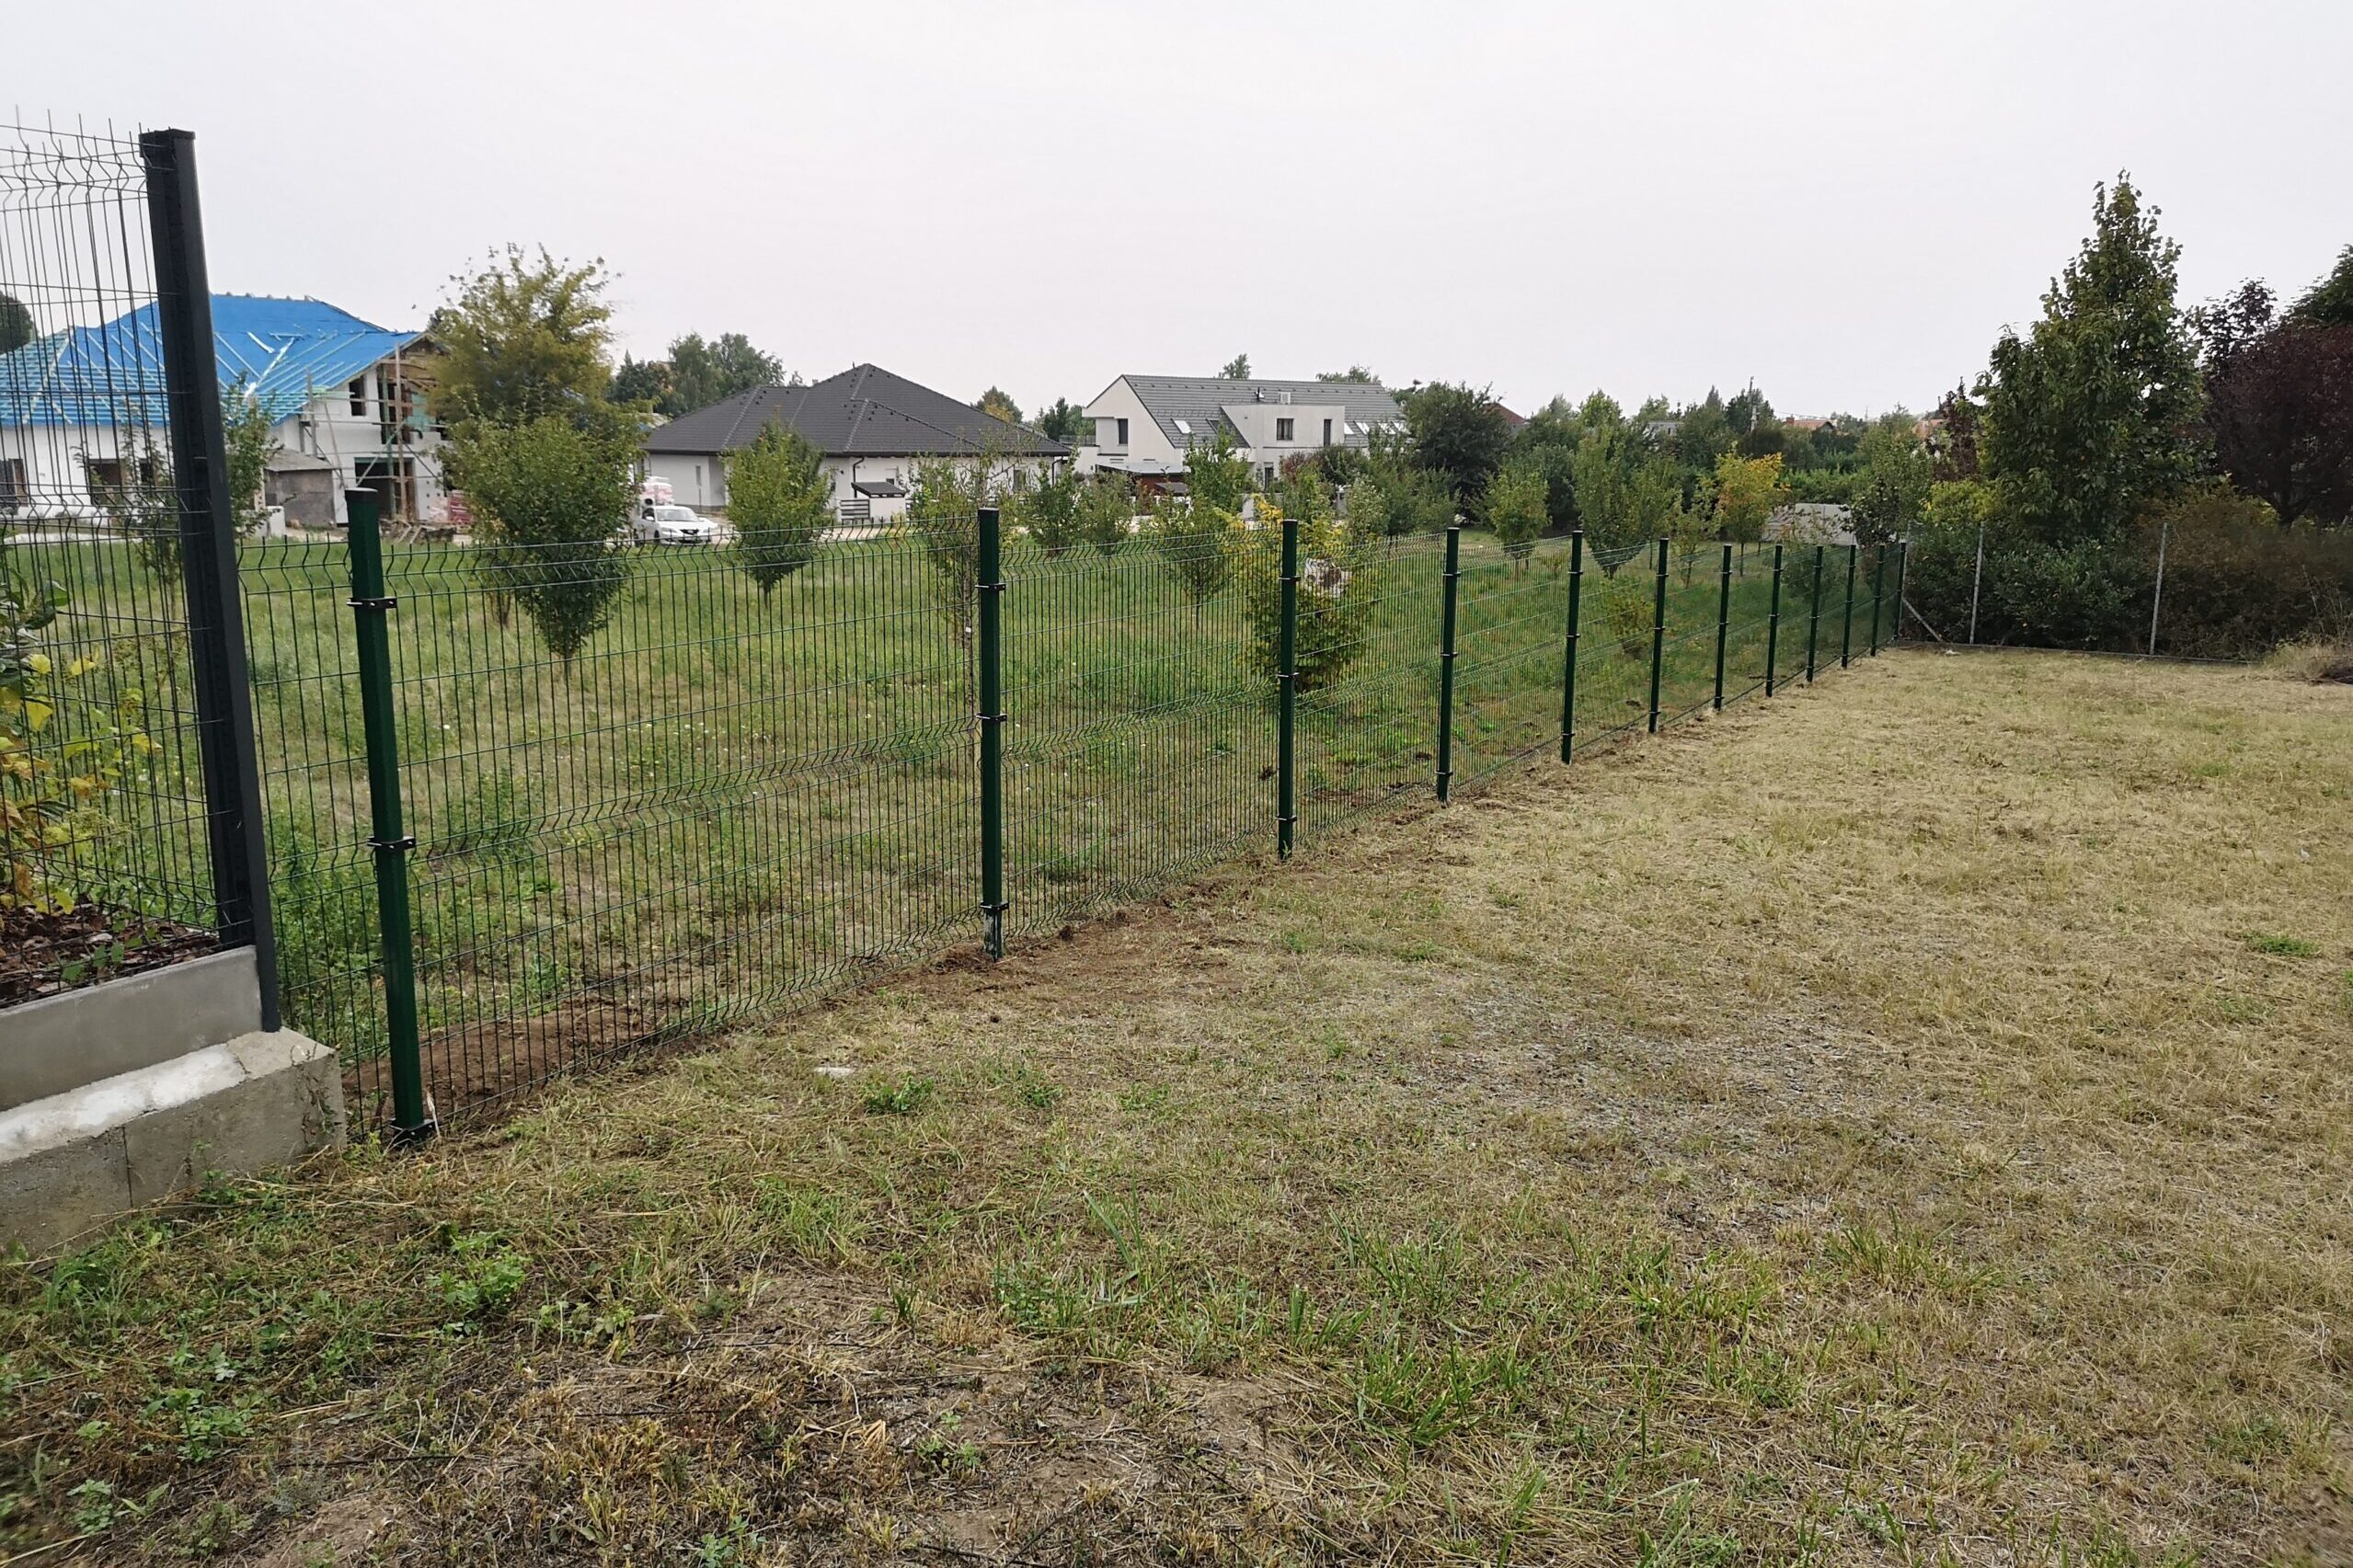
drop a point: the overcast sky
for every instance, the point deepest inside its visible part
(1844, 201)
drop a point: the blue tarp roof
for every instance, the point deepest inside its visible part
(285, 352)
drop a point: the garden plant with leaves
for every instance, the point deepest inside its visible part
(781, 502)
(1340, 573)
(552, 501)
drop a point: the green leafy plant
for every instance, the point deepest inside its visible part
(1516, 507)
(1106, 512)
(1196, 545)
(781, 503)
(944, 514)
(60, 756)
(551, 501)
(1049, 510)
(1340, 575)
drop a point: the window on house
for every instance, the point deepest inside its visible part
(1327, 432)
(1283, 428)
(11, 485)
(1123, 432)
(359, 390)
(1184, 427)
(105, 479)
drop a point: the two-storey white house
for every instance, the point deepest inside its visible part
(81, 412)
(1145, 424)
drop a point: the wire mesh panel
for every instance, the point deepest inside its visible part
(1512, 617)
(104, 858)
(723, 800)
(1749, 613)
(1141, 739)
(1614, 645)
(1368, 704)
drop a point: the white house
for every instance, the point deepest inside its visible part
(872, 428)
(1145, 424)
(82, 408)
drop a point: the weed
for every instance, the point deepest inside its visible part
(903, 1098)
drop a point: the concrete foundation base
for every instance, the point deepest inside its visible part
(72, 1160)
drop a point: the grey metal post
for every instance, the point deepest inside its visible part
(2157, 598)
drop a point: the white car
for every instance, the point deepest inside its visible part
(665, 524)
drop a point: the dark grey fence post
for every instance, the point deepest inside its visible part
(1773, 627)
(989, 620)
(207, 553)
(1846, 619)
(1569, 664)
(1287, 714)
(1658, 635)
(1814, 614)
(1723, 622)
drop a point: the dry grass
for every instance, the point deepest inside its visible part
(2316, 659)
(1902, 1122)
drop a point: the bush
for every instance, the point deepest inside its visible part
(1106, 512)
(781, 503)
(554, 500)
(1516, 507)
(2238, 585)
(1340, 581)
(1196, 545)
(1049, 510)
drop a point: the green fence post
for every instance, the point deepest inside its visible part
(1569, 663)
(1879, 594)
(1287, 681)
(389, 845)
(1658, 636)
(1814, 614)
(1773, 627)
(990, 595)
(1723, 622)
(1453, 579)
(1846, 625)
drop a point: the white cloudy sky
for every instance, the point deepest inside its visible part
(1843, 200)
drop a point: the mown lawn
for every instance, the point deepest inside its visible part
(1904, 1121)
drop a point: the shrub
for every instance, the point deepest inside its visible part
(1049, 510)
(552, 501)
(781, 503)
(1196, 544)
(1516, 507)
(1106, 512)
(1340, 580)
(944, 514)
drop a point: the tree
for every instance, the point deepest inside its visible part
(16, 324)
(551, 501)
(1516, 507)
(781, 501)
(2087, 418)
(1894, 475)
(1749, 411)
(1048, 510)
(1195, 545)
(1703, 433)
(1748, 490)
(1106, 509)
(1459, 433)
(525, 339)
(998, 403)
(944, 513)
(1339, 585)
(644, 381)
(1354, 372)
(2329, 303)
(251, 444)
(1066, 422)
(703, 373)
(1216, 476)
(1236, 369)
(1601, 471)
(1413, 499)
(2280, 406)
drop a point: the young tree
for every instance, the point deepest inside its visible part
(525, 339)
(2329, 303)
(1196, 545)
(998, 403)
(1602, 471)
(944, 513)
(1236, 369)
(1216, 475)
(1895, 472)
(1106, 512)
(1047, 510)
(1748, 490)
(781, 503)
(2087, 418)
(1516, 507)
(1339, 585)
(551, 501)
(247, 425)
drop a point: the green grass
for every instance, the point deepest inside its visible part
(728, 803)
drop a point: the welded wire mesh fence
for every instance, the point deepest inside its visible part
(123, 785)
(730, 800)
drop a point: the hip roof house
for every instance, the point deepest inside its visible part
(872, 428)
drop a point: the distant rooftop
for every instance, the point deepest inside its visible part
(866, 411)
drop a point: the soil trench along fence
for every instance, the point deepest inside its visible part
(494, 864)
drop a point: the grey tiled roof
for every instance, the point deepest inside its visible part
(864, 412)
(1198, 400)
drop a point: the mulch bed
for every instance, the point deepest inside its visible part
(42, 955)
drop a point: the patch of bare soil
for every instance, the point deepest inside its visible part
(45, 954)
